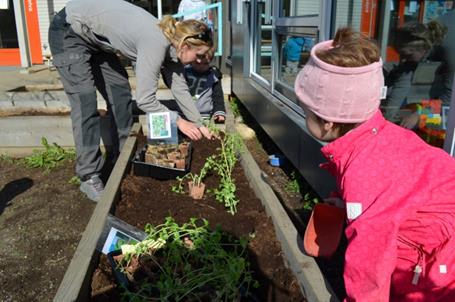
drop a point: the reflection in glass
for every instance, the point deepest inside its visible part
(292, 8)
(294, 53)
(420, 75)
(263, 45)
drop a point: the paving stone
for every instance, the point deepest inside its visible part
(6, 106)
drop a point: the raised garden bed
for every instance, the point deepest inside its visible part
(140, 203)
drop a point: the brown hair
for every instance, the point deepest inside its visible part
(190, 32)
(350, 49)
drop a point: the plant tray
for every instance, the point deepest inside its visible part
(142, 168)
(120, 277)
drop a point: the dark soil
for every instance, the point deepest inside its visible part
(42, 218)
(146, 200)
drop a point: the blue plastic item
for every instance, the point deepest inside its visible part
(275, 160)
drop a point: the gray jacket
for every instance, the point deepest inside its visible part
(119, 26)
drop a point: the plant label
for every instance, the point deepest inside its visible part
(161, 127)
(115, 239)
(115, 233)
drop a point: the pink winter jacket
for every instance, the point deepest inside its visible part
(400, 203)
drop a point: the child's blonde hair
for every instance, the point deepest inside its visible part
(191, 32)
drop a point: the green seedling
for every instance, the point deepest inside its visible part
(309, 200)
(223, 163)
(6, 158)
(234, 103)
(75, 180)
(293, 185)
(193, 177)
(52, 156)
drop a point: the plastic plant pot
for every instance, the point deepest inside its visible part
(196, 191)
(324, 229)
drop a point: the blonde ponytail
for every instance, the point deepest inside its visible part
(167, 25)
(437, 32)
(190, 32)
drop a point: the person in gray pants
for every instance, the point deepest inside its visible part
(85, 38)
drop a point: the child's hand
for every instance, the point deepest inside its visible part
(219, 118)
(335, 201)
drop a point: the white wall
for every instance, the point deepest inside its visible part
(44, 20)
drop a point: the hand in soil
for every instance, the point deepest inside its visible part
(189, 129)
(206, 132)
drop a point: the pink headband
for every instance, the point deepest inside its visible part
(339, 94)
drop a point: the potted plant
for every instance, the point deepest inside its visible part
(196, 187)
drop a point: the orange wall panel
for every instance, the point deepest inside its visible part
(10, 57)
(34, 39)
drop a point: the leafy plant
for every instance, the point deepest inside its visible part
(234, 103)
(309, 200)
(224, 163)
(293, 185)
(7, 158)
(75, 180)
(192, 263)
(50, 157)
(195, 178)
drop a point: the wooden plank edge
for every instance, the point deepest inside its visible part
(75, 283)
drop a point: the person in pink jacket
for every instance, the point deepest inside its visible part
(398, 191)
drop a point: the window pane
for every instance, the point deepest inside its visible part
(291, 8)
(295, 44)
(419, 67)
(263, 45)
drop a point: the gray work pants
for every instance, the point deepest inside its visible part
(83, 69)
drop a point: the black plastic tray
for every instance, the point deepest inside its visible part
(141, 168)
(121, 278)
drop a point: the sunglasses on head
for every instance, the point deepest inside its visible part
(205, 36)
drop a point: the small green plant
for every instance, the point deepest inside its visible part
(49, 158)
(309, 200)
(7, 158)
(234, 103)
(75, 180)
(191, 263)
(224, 163)
(195, 178)
(293, 185)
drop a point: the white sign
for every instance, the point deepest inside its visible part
(159, 125)
(4, 4)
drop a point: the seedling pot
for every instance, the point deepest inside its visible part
(196, 191)
(159, 165)
(184, 148)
